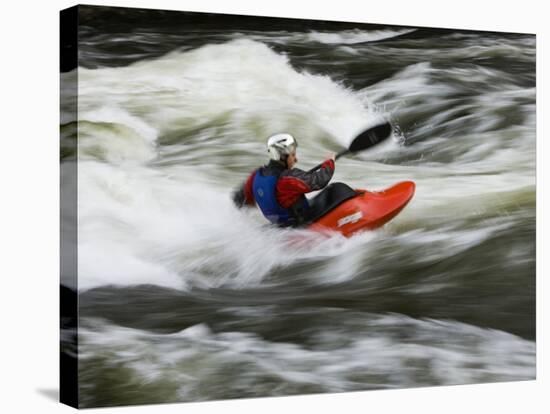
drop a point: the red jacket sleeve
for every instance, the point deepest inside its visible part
(247, 189)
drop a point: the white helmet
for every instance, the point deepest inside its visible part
(281, 144)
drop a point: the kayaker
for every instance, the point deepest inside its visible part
(278, 188)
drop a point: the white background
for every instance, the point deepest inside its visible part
(30, 208)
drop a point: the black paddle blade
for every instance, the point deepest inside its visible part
(370, 137)
(366, 139)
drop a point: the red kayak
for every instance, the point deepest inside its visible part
(366, 211)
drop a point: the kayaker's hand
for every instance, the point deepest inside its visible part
(329, 163)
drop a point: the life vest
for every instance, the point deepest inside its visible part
(263, 188)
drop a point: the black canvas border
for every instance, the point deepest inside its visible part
(68, 359)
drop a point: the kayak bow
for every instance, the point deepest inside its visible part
(368, 210)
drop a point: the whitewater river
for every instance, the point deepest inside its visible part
(182, 297)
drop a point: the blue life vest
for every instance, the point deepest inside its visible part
(263, 188)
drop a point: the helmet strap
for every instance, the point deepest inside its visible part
(284, 159)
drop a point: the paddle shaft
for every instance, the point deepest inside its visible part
(341, 153)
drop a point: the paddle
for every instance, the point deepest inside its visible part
(366, 139)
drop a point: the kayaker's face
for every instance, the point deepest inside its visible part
(291, 160)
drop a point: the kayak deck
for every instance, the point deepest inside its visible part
(368, 210)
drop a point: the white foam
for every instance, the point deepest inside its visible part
(138, 226)
(350, 37)
(111, 134)
(360, 354)
(244, 76)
